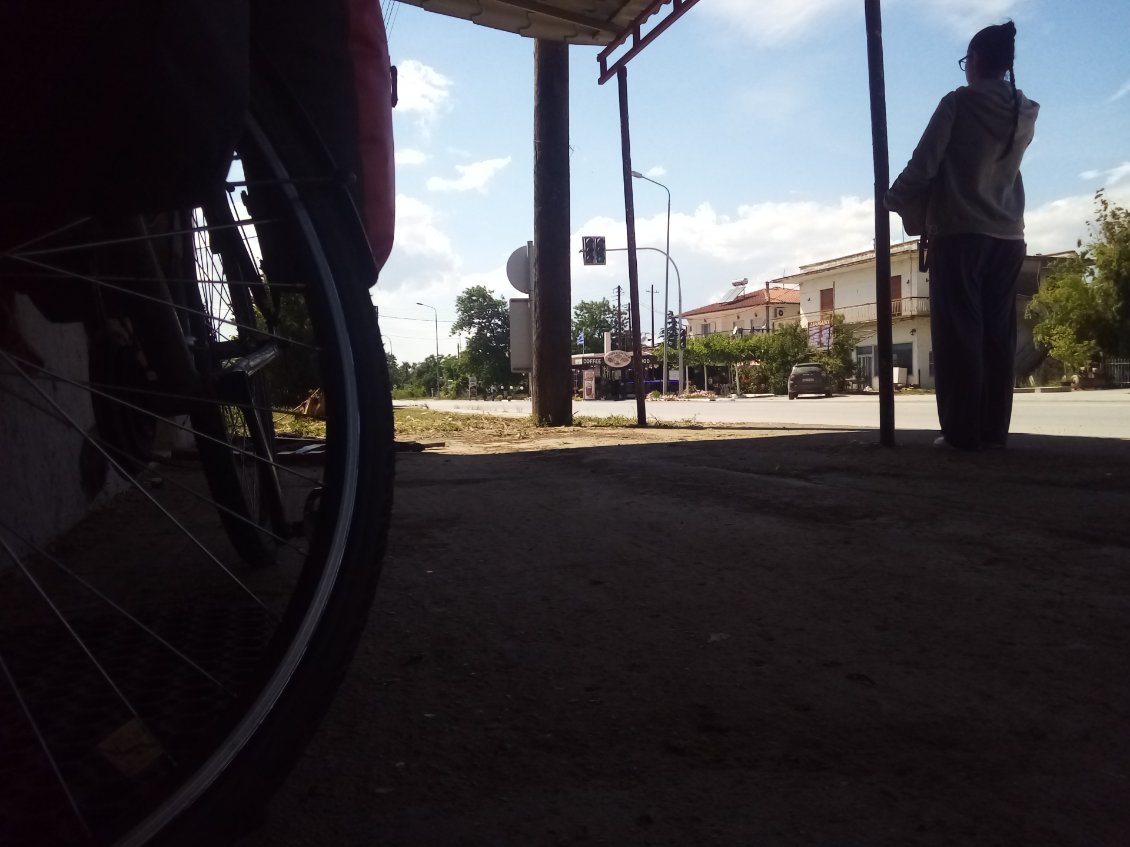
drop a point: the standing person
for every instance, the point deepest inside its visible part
(962, 188)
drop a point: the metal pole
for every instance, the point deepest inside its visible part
(877, 82)
(679, 285)
(666, 280)
(651, 291)
(633, 270)
(682, 374)
(436, 313)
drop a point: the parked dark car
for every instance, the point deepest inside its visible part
(809, 378)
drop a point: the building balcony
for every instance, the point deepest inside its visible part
(865, 313)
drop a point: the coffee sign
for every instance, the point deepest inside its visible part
(617, 358)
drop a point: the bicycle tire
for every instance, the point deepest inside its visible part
(232, 763)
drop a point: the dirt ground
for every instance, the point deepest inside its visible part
(761, 636)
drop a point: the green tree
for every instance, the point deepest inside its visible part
(784, 348)
(485, 320)
(1083, 306)
(837, 358)
(592, 318)
(296, 372)
(423, 374)
(1109, 254)
(671, 331)
(393, 370)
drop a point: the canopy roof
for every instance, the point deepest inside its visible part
(592, 22)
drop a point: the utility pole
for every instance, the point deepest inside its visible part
(767, 306)
(619, 322)
(551, 378)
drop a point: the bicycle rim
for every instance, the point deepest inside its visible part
(143, 659)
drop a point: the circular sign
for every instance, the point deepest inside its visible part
(518, 269)
(617, 358)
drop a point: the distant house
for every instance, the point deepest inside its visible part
(747, 311)
(846, 286)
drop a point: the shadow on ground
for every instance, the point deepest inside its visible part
(781, 640)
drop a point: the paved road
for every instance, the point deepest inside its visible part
(1094, 414)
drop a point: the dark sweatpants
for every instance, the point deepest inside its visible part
(973, 322)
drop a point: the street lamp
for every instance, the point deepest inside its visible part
(666, 288)
(433, 308)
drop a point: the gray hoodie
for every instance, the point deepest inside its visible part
(956, 172)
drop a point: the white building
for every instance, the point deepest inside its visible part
(746, 311)
(846, 286)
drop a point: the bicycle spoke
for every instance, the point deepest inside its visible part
(92, 389)
(45, 554)
(50, 234)
(137, 486)
(131, 239)
(45, 747)
(183, 309)
(82, 645)
(286, 287)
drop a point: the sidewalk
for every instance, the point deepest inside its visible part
(778, 639)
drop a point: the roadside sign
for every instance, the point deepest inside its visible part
(518, 268)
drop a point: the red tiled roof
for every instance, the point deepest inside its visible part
(745, 301)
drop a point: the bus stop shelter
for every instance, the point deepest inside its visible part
(624, 28)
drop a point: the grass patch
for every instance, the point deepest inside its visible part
(413, 422)
(299, 426)
(616, 421)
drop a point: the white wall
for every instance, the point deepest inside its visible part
(40, 490)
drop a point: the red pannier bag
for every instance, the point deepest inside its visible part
(332, 56)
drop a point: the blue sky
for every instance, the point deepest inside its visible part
(754, 114)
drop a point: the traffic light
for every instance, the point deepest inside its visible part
(592, 249)
(683, 337)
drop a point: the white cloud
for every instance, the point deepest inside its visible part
(417, 233)
(409, 156)
(1113, 176)
(765, 241)
(656, 172)
(1122, 92)
(1059, 224)
(778, 22)
(473, 177)
(422, 91)
(968, 16)
(771, 22)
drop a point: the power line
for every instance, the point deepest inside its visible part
(408, 337)
(383, 316)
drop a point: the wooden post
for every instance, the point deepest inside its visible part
(633, 271)
(551, 383)
(882, 222)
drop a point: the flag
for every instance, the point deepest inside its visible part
(581, 339)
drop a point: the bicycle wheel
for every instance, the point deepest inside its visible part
(152, 686)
